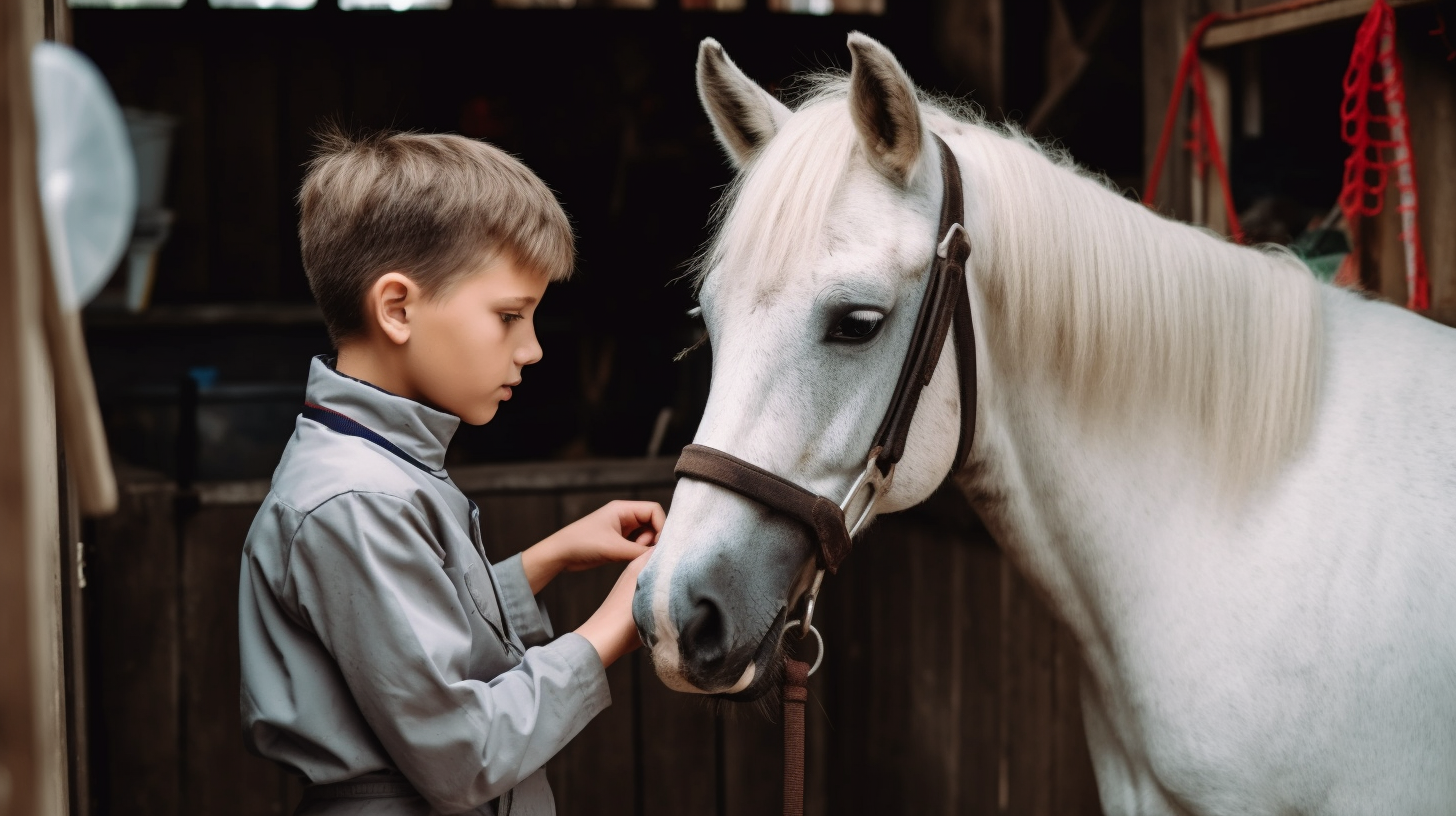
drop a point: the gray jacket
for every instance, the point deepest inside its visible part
(379, 644)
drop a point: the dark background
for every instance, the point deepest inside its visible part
(599, 102)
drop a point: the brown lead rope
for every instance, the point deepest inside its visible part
(796, 694)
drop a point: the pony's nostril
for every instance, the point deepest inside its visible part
(704, 637)
(645, 635)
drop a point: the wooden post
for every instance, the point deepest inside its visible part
(1220, 105)
(1165, 31)
(32, 733)
(970, 40)
(1430, 95)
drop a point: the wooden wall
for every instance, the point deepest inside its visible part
(947, 687)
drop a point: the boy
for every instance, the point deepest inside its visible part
(383, 658)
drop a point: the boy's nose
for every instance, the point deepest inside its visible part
(529, 352)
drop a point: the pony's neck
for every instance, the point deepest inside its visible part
(1136, 374)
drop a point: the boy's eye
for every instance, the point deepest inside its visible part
(511, 317)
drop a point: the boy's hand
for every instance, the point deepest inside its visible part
(611, 629)
(618, 531)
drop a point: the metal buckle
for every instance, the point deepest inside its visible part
(876, 483)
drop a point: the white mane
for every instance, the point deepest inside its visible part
(1135, 314)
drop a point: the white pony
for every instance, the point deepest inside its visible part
(1235, 485)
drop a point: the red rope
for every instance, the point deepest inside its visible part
(1203, 133)
(1380, 143)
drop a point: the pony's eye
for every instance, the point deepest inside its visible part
(857, 326)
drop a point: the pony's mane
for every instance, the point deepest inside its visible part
(1136, 315)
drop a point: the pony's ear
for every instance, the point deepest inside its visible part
(885, 110)
(744, 115)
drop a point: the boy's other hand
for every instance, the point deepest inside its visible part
(611, 629)
(617, 531)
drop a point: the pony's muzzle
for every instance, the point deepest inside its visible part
(713, 656)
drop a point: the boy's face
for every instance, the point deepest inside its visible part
(468, 346)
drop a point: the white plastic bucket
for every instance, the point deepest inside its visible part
(151, 141)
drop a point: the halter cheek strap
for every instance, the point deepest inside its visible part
(946, 301)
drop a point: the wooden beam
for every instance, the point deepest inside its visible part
(970, 41)
(1165, 31)
(1233, 32)
(32, 733)
(518, 477)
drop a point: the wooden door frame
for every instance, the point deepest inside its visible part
(34, 777)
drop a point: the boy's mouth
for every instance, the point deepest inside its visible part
(507, 388)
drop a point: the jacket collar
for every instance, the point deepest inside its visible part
(418, 430)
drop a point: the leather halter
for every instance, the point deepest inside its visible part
(946, 301)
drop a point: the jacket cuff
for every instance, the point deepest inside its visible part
(525, 612)
(586, 667)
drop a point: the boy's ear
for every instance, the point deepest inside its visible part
(388, 305)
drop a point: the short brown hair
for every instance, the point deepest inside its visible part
(431, 206)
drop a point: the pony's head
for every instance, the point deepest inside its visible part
(810, 291)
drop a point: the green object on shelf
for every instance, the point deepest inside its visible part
(1322, 249)
(1324, 267)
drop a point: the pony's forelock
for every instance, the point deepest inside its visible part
(1135, 314)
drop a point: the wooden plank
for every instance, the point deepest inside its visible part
(1259, 27)
(751, 756)
(594, 774)
(678, 749)
(844, 683)
(680, 737)
(622, 475)
(749, 737)
(313, 94)
(1028, 696)
(970, 40)
(1208, 192)
(933, 672)
(73, 579)
(218, 774)
(1073, 784)
(885, 743)
(1165, 30)
(510, 524)
(181, 87)
(1430, 88)
(134, 585)
(243, 110)
(30, 755)
(982, 712)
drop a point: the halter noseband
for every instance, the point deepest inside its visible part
(946, 301)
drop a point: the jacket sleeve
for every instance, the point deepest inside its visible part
(368, 577)
(526, 613)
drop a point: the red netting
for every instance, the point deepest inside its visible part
(1379, 145)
